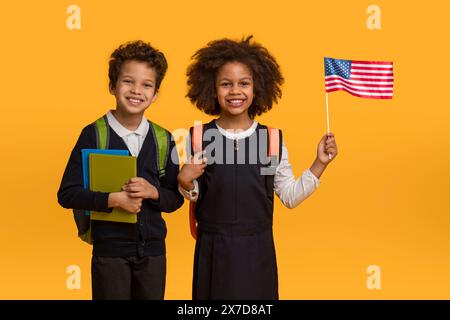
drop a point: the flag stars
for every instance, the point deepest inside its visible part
(337, 67)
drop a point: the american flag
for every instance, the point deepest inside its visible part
(365, 79)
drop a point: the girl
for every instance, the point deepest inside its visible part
(235, 253)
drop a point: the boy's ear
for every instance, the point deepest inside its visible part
(111, 89)
(155, 96)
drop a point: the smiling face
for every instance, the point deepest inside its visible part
(135, 88)
(234, 88)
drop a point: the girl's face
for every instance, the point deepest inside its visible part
(234, 88)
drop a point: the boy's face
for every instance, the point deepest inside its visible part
(135, 87)
(234, 88)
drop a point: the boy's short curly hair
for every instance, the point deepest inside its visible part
(202, 73)
(138, 51)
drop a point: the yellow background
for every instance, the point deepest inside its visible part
(384, 201)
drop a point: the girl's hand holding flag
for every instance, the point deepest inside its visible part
(326, 152)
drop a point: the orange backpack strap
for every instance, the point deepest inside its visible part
(197, 138)
(274, 143)
(192, 220)
(197, 146)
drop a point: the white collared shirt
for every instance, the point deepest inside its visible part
(133, 139)
(291, 191)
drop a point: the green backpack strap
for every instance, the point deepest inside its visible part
(87, 237)
(161, 138)
(102, 132)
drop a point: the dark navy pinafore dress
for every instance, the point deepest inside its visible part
(235, 253)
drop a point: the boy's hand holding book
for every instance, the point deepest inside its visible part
(130, 199)
(123, 200)
(140, 188)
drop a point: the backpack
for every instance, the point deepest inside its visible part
(161, 137)
(274, 152)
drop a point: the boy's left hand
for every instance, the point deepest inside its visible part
(140, 188)
(327, 149)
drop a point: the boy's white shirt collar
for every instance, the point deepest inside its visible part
(121, 131)
(238, 135)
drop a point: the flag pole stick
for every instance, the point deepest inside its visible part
(328, 115)
(328, 118)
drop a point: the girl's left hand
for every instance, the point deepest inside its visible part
(327, 149)
(140, 188)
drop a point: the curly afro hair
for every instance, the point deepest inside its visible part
(137, 51)
(202, 73)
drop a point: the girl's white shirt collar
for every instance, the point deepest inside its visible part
(237, 134)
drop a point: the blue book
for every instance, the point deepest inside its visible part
(85, 163)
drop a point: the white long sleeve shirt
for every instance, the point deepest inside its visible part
(291, 191)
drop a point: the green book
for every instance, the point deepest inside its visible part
(108, 173)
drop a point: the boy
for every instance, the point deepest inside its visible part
(128, 260)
